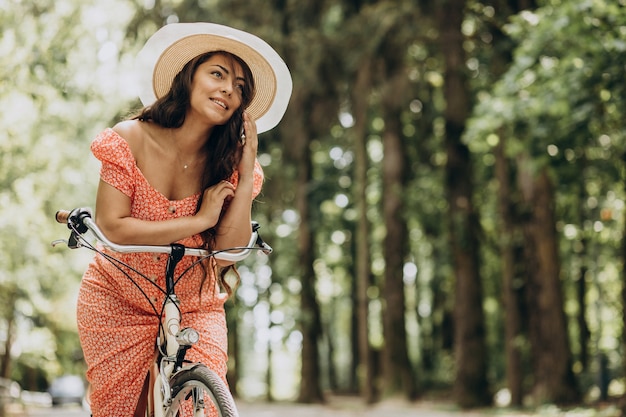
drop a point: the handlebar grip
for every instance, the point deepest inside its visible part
(74, 218)
(62, 216)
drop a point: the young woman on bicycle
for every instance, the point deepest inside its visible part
(184, 170)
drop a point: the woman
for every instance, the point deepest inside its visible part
(183, 170)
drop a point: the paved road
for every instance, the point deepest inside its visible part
(68, 411)
(272, 410)
(336, 408)
(349, 407)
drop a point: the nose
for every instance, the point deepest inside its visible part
(227, 88)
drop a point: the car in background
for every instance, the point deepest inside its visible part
(67, 389)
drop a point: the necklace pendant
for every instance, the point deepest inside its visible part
(184, 166)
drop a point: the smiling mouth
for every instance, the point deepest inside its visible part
(220, 103)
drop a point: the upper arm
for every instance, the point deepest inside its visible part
(112, 206)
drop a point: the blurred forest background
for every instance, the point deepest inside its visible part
(445, 195)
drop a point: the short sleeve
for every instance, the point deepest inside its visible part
(118, 163)
(258, 179)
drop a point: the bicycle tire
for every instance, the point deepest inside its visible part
(199, 377)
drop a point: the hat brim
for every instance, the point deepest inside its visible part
(167, 51)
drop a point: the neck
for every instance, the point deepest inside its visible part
(188, 148)
(193, 130)
(189, 142)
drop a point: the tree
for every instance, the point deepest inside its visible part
(498, 51)
(397, 373)
(549, 100)
(308, 102)
(366, 371)
(547, 327)
(471, 388)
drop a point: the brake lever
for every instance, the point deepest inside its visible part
(265, 248)
(73, 242)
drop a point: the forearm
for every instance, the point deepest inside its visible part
(113, 216)
(234, 228)
(132, 231)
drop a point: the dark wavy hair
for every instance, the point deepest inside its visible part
(222, 151)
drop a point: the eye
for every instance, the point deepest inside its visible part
(217, 73)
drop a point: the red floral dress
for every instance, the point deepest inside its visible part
(117, 323)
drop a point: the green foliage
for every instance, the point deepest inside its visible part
(53, 72)
(566, 71)
(562, 102)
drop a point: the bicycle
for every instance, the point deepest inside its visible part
(176, 386)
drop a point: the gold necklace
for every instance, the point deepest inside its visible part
(180, 160)
(185, 166)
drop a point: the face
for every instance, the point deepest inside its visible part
(216, 89)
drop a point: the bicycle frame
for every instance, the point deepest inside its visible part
(172, 341)
(170, 324)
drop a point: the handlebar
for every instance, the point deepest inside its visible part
(80, 222)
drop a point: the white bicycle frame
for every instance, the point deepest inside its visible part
(160, 396)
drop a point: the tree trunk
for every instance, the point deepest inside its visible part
(513, 271)
(552, 358)
(470, 387)
(581, 284)
(512, 282)
(397, 369)
(365, 368)
(353, 384)
(581, 298)
(310, 391)
(329, 332)
(297, 127)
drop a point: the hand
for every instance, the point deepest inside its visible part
(212, 202)
(249, 148)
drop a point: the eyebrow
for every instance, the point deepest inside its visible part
(227, 71)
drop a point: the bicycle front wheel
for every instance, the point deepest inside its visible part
(198, 391)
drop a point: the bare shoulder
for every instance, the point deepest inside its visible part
(134, 133)
(143, 138)
(131, 130)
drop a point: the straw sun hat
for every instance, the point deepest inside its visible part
(175, 44)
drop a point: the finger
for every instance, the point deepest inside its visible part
(227, 184)
(249, 125)
(228, 194)
(218, 189)
(226, 189)
(222, 184)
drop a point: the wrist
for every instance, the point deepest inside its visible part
(245, 179)
(202, 221)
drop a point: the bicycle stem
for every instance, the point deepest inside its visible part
(178, 251)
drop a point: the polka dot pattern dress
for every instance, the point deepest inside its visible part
(117, 323)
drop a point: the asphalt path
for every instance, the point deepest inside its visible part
(349, 407)
(336, 408)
